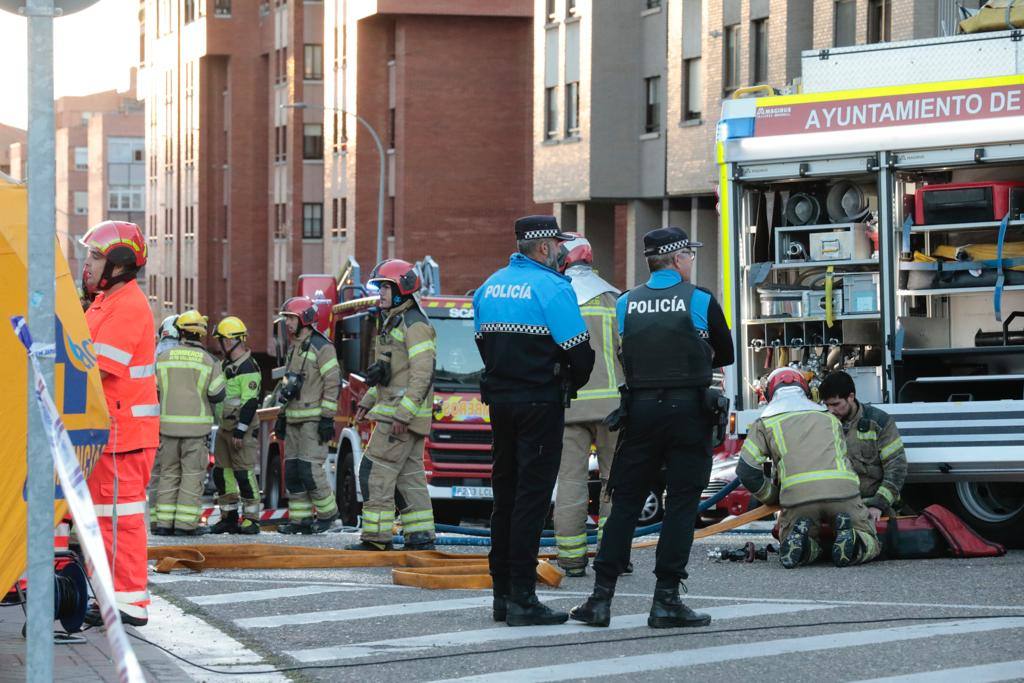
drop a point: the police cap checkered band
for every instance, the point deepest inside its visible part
(539, 227)
(667, 240)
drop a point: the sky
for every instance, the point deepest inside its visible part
(93, 51)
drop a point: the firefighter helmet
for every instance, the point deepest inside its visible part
(401, 274)
(577, 250)
(121, 243)
(231, 328)
(783, 377)
(302, 307)
(192, 322)
(168, 330)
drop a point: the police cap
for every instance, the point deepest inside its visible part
(667, 240)
(539, 227)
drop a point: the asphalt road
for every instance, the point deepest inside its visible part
(769, 623)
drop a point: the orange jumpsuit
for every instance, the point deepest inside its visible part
(121, 325)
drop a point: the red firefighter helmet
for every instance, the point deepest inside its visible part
(121, 243)
(577, 250)
(400, 273)
(302, 307)
(783, 377)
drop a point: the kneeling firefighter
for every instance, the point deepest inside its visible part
(401, 401)
(237, 443)
(795, 455)
(189, 381)
(308, 396)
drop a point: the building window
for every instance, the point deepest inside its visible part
(81, 203)
(280, 221)
(652, 4)
(845, 28)
(759, 50)
(279, 291)
(693, 89)
(313, 62)
(151, 286)
(312, 221)
(189, 12)
(570, 9)
(81, 158)
(652, 104)
(281, 143)
(313, 141)
(879, 20)
(190, 293)
(339, 228)
(731, 62)
(550, 9)
(126, 198)
(168, 292)
(550, 114)
(222, 8)
(572, 109)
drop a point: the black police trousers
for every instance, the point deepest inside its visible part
(526, 454)
(674, 432)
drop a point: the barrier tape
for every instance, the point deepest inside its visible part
(76, 492)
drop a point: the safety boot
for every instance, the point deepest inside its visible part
(304, 526)
(370, 545)
(93, 617)
(322, 525)
(668, 610)
(163, 531)
(198, 531)
(628, 571)
(794, 548)
(419, 540)
(227, 524)
(499, 606)
(575, 572)
(844, 550)
(597, 609)
(524, 609)
(247, 528)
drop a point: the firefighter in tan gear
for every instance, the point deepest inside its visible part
(802, 445)
(400, 400)
(583, 419)
(238, 435)
(873, 444)
(190, 382)
(308, 396)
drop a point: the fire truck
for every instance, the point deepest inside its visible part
(457, 452)
(872, 222)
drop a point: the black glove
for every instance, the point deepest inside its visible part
(325, 430)
(280, 426)
(379, 372)
(616, 419)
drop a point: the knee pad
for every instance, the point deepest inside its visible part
(218, 479)
(244, 484)
(306, 470)
(293, 477)
(365, 467)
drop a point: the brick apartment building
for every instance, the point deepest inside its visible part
(78, 151)
(446, 84)
(10, 135)
(234, 179)
(627, 95)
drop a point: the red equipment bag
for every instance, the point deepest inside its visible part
(963, 540)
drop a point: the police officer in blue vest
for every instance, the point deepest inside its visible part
(536, 353)
(673, 334)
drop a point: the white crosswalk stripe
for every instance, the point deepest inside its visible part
(501, 633)
(983, 673)
(397, 609)
(268, 594)
(767, 648)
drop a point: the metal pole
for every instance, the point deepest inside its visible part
(383, 183)
(41, 233)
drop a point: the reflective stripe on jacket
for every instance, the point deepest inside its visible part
(600, 396)
(313, 355)
(190, 381)
(243, 393)
(876, 452)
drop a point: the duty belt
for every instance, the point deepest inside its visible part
(666, 394)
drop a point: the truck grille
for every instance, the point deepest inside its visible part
(481, 437)
(451, 457)
(713, 487)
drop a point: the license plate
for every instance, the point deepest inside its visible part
(472, 492)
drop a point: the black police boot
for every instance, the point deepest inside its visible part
(628, 571)
(94, 618)
(499, 607)
(597, 609)
(228, 523)
(419, 540)
(524, 609)
(370, 545)
(247, 528)
(844, 550)
(668, 610)
(304, 526)
(794, 548)
(198, 531)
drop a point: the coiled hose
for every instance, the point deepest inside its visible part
(482, 537)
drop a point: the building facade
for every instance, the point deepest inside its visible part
(10, 135)
(234, 174)
(627, 95)
(446, 86)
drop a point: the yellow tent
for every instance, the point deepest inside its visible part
(77, 389)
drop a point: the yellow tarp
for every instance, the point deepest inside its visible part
(981, 252)
(995, 15)
(77, 389)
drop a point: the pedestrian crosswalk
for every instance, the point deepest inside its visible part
(351, 623)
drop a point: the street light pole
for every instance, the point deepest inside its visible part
(383, 165)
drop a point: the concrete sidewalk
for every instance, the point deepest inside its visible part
(86, 662)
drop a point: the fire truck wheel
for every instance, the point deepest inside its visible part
(349, 506)
(993, 509)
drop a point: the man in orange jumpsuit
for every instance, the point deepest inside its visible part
(122, 330)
